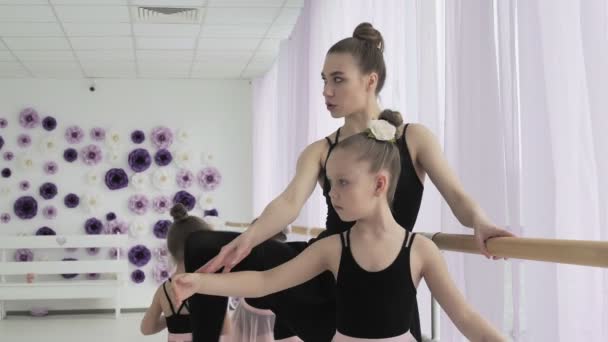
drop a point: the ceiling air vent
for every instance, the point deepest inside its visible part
(180, 15)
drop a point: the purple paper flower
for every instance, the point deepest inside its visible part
(184, 178)
(70, 155)
(3, 123)
(24, 140)
(163, 157)
(92, 250)
(116, 179)
(48, 190)
(98, 134)
(50, 168)
(93, 276)
(5, 218)
(161, 254)
(8, 156)
(110, 216)
(161, 272)
(185, 198)
(69, 275)
(139, 255)
(24, 255)
(211, 212)
(28, 118)
(113, 252)
(49, 123)
(71, 200)
(6, 172)
(209, 178)
(49, 212)
(116, 227)
(138, 276)
(25, 207)
(93, 226)
(162, 137)
(45, 231)
(138, 137)
(74, 134)
(161, 228)
(160, 204)
(91, 154)
(139, 160)
(138, 204)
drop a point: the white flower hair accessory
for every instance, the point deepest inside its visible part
(382, 130)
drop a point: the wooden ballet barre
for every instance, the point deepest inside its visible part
(575, 252)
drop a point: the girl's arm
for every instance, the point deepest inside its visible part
(153, 321)
(435, 273)
(249, 284)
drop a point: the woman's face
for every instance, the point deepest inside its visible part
(346, 89)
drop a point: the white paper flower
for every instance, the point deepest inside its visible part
(138, 228)
(183, 158)
(92, 203)
(183, 135)
(48, 144)
(139, 180)
(26, 162)
(113, 139)
(205, 202)
(161, 179)
(93, 178)
(113, 156)
(382, 130)
(206, 158)
(5, 191)
(42, 257)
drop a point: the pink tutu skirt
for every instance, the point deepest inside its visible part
(407, 337)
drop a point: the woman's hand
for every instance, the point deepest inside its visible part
(230, 255)
(485, 231)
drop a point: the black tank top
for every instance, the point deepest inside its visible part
(177, 323)
(406, 202)
(379, 304)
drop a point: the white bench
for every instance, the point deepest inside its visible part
(64, 288)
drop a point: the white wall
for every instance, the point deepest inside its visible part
(216, 113)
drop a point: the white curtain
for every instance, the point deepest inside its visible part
(515, 92)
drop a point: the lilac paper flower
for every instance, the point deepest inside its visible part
(139, 160)
(91, 154)
(116, 179)
(139, 255)
(211, 212)
(24, 255)
(48, 190)
(163, 157)
(138, 204)
(185, 198)
(209, 178)
(92, 250)
(5, 218)
(49, 212)
(28, 118)
(138, 276)
(74, 134)
(25, 207)
(50, 168)
(70, 155)
(24, 140)
(6, 172)
(71, 200)
(8, 155)
(162, 137)
(44, 231)
(161, 228)
(160, 204)
(93, 226)
(69, 275)
(49, 123)
(3, 123)
(116, 227)
(161, 254)
(110, 216)
(93, 276)
(184, 178)
(98, 134)
(138, 137)
(161, 272)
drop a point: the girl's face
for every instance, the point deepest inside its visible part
(346, 89)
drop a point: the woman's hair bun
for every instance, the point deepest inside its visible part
(179, 212)
(367, 32)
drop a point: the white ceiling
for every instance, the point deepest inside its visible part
(71, 39)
